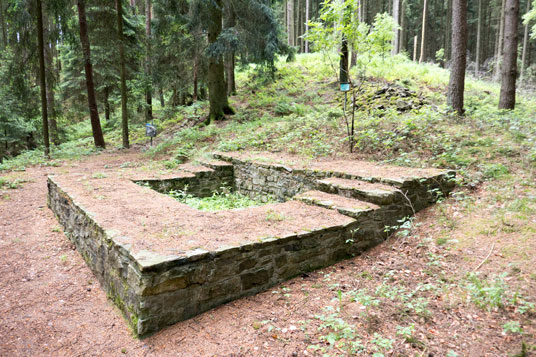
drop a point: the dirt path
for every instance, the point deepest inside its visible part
(50, 303)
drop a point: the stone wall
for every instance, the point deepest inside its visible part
(201, 183)
(112, 264)
(188, 287)
(263, 180)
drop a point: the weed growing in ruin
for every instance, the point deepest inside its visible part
(226, 199)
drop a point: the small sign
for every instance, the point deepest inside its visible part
(150, 130)
(345, 87)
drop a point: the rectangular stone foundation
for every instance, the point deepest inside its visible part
(155, 290)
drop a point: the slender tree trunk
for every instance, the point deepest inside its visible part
(107, 103)
(124, 107)
(307, 24)
(51, 83)
(290, 22)
(415, 45)
(290, 9)
(403, 32)
(195, 80)
(500, 45)
(423, 34)
(148, 69)
(2, 20)
(219, 104)
(478, 38)
(297, 24)
(98, 138)
(507, 98)
(459, 56)
(230, 22)
(448, 32)
(42, 78)
(51, 106)
(343, 67)
(396, 17)
(161, 95)
(525, 46)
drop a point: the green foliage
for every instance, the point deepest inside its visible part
(512, 327)
(69, 150)
(218, 201)
(406, 332)
(494, 294)
(485, 294)
(338, 333)
(11, 184)
(338, 19)
(531, 16)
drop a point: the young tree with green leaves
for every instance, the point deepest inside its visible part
(338, 24)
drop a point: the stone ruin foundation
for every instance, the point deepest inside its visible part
(161, 261)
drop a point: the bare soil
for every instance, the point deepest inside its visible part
(51, 305)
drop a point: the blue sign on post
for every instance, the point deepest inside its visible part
(345, 87)
(150, 130)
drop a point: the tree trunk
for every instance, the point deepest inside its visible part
(229, 22)
(478, 38)
(499, 51)
(423, 34)
(403, 32)
(448, 32)
(459, 56)
(148, 73)
(525, 46)
(297, 24)
(415, 45)
(51, 106)
(195, 69)
(51, 83)
(307, 24)
(219, 104)
(2, 20)
(124, 108)
(507, 98)
(290, 20)
(42, 78)
(98, 138)
(396, 17)
(107, 103)
(161, 95)
(343, 67)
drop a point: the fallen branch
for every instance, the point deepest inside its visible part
(485, 259)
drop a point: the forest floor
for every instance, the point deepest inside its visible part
(458, 280)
